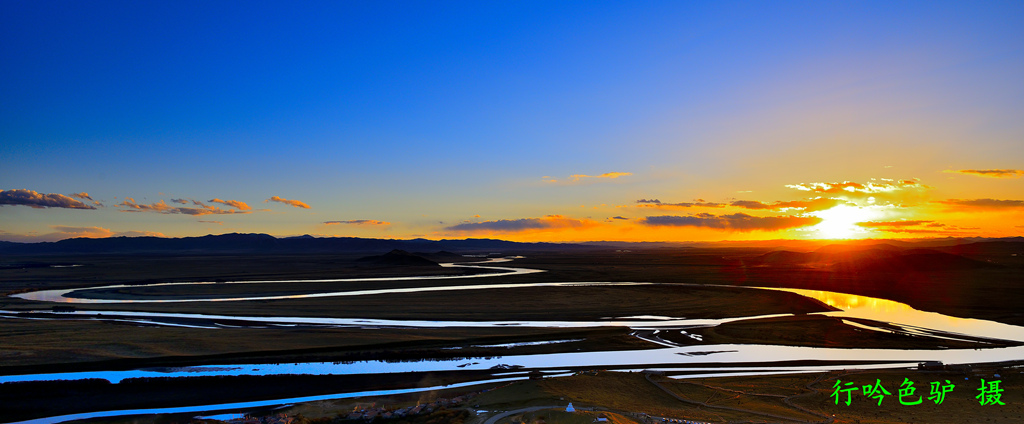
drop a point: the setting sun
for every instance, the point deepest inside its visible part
(840, 222)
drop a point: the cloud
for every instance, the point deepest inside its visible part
(62, 232)
(877, 192)
(897, 224)
(619, 217)
(212, 222)
(180, 201)
(83, 195)
(846, 187)
(548, 222)
(233, 203)
(915, 227)
(735, 222)
(295, 203)
(699, 203)
(610, 175)
(578, 178)
(358, 222)
(37, 200)
(990, 173)
(810, 205)
(983, 204)
(751, 204)
(163, 208)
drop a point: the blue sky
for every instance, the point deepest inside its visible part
(426, 114)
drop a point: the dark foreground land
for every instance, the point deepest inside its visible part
(980, 280)
(636, 397)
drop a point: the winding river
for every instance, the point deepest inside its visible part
(686, 361)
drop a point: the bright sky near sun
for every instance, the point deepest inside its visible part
(522, 120)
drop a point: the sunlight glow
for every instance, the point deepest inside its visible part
(840, 222)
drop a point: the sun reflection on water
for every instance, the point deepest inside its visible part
(854, 306)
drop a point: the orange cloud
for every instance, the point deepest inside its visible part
(699, 203)
(358, 222)
(851, 187)
(811, 205)
(163, 208)
(295, 203)
(897, 224)
(233, 203)
(83, 195)
(990, 173)
(577, 178)
(983, 204)
(874, 193)
(549, 222)
(611, 175)
(915, 227)
(734, 222)
(38, 200)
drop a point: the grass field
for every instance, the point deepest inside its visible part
(31, 346)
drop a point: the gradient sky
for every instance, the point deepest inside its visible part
(558, 121)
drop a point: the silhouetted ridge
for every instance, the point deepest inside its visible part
(263, 243)
(921, 260)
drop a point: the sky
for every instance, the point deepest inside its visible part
(519, 120)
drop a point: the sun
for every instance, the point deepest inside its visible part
(840, 222)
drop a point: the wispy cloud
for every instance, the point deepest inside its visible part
(83, 195)
(990, 173)
(982, 204)
(810, 205)
(164, 208)
(577, 178)
(38, 200)
(609, 175)
(877, 192)
(295, 203)
(212, 222)
(734, 222)
(358, 222)
(548, 222)
(697, 203)
(897, 224)
(883, 186)
(916, 227)
(233, 203)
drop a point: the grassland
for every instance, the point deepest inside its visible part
(51, 346)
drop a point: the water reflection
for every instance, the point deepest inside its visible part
(761, 358)
(905, 316)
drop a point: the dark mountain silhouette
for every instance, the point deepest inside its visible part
(917, 260)
(263, 243)
(874, 258)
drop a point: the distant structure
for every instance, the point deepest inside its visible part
(570, 408)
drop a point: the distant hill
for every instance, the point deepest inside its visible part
(873, 258)
(263, 243)
(919, 260)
